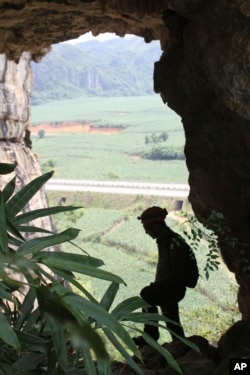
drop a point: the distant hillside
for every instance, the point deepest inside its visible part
(116, 67)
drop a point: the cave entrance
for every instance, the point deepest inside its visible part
(98, 137)
(115, 128)
(95, 115)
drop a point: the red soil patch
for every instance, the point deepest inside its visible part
(73, 127)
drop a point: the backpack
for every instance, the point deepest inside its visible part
(191, 268)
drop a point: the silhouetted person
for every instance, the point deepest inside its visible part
(169, 286)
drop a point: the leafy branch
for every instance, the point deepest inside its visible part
(214, 227)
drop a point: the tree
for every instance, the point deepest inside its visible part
(162, 137)
(41, 133)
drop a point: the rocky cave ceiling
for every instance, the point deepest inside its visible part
(35, 25)
(203, 75)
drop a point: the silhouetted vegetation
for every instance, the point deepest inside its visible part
(154, 138)
(163, 153)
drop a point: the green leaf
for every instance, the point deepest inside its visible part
(56, 307)
(8, 370)
(58, 337)
(14, 231)
(32, 215)
(168, 356)
(53, 304)
(3, 227)
(123, 351)
(14, 242)
(6, 168)
(37, 244)
(61, 259)
(67, 275)
(23, 196)
(103, 367)
(5, 292)
(32, 321)
(35, 343)
(25, 309)
(127, 306)
(10, 283)
(9, 189)
(88, 362)
(143, 317)
(7, 334)
(85, 337)
(32, 229)
(28, 362)
(55, 262)
(102, 317)
(109, 296)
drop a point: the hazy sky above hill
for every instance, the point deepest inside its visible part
(101, 37)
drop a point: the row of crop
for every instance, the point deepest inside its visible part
(108, 109)
(72, 156)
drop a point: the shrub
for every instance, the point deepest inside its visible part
(163, 153)
(162, 137)
(41, 133)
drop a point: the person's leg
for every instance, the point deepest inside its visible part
(148, 295)
(172, 312)
(152, 331)
(157, 294)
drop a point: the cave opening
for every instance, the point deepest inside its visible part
(108, 122)
(101, 90)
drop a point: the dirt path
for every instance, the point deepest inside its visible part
(73, 127)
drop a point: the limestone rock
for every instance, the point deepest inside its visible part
(16, 82)
(15, 91)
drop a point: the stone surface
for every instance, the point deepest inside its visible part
(15, 91)
(207, 360)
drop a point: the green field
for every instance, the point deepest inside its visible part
(110, 156)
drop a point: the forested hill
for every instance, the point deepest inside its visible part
(116, 67)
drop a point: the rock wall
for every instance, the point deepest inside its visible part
(15, 90)
(205, 79)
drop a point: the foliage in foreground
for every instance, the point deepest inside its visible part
(45, 326)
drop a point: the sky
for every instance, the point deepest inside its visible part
(101, 37)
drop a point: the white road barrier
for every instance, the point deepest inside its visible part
(119, 187)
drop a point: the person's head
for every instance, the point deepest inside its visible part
(153, 220)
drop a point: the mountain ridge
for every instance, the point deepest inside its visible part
(96, 68)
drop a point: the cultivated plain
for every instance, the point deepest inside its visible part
(106, 138)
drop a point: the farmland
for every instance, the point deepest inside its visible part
(105, 155)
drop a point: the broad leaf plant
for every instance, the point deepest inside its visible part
(45, 326)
